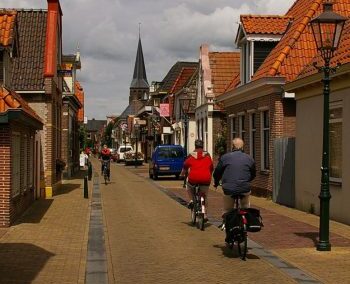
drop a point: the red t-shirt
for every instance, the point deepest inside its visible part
(200, 167)
(105, 154)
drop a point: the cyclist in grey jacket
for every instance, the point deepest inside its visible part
(236, 170)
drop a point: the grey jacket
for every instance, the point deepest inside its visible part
(236, 170)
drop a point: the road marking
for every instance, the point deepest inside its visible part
(96, 265)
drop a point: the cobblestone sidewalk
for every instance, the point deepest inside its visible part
(48, 244)
(288, 233)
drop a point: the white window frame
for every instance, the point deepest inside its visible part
(263, 129)
(252, 133)
(335, 105)
(233, 132)
(31, 162)
(16, 164)
(241, 126)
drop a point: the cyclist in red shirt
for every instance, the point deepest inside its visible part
(199, 167)
(105, 156)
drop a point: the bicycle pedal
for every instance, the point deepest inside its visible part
(222, 227)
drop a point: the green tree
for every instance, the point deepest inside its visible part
(221, 141)
(107, 135)
(82, 137)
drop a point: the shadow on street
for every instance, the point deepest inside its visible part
(21, 263)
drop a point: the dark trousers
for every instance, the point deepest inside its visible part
(108, 167)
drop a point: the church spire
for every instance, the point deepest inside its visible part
(139, 80)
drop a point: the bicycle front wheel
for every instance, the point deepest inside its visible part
(193, 215)
(106, 178)
(201, 221)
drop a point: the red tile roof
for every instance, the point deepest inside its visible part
(268, 24)
(79, 92)
(185, 74)
(7, 24)
(11, 100)
(224, 66)
(297, 47)
(341, 55)
(28, 65)
(233, 84)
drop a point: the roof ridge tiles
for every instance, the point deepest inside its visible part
(294, 38)
(265, 16)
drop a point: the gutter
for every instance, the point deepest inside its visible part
(30, 92)
(252, 88)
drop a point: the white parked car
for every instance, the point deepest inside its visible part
(121, 150)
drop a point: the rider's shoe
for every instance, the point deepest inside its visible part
(190, 205)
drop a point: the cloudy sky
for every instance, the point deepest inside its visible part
(171, 30)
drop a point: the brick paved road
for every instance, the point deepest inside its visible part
(149, 240)
(288, 233)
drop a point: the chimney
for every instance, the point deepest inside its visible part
(54, 20)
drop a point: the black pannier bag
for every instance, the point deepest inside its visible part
(254, 220)
(232, 220)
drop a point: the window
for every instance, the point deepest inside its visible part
(241, 119)
(335, 141)
(25, 162)
(265, 140)
(16, 164)
(156, 102)
(1, 67)
(31, 162)
(252, 134)
(233, 128)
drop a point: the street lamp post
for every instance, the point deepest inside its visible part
(185, 105)
(327, 29)
(137, 126)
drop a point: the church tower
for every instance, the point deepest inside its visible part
(139, 84)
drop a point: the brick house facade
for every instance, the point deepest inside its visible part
(70, 147)
(216, 70)
(18, 152)
(40, 41)
(256, 101)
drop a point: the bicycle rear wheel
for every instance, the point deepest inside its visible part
(242, 243)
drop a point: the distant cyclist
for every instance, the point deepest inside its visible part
(199, 167)
(105, 157)
(236, 170)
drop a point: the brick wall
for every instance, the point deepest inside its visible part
(282, 124)
(5, 175)
(11, 207)
(65, 151)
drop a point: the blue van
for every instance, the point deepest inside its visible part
(167, 160)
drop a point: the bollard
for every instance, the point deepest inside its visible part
(89, 170)
(86, 189)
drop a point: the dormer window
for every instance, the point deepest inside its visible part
(253, 54)
(256, 37)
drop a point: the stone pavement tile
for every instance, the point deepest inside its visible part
(48, 243)
(151, 232)
(328, 267)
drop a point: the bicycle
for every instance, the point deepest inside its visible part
(105, 171)
(237, 233)
(198, 208)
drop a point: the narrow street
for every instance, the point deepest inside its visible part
(150, 240)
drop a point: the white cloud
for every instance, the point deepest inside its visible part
(171, 30)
